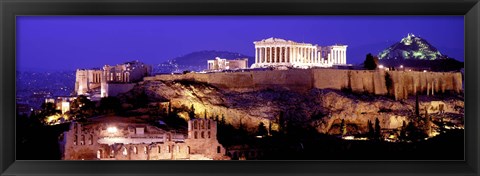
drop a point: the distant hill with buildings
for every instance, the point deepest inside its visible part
(417, 53)
(197, 61)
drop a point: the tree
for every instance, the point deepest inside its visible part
(377, 128)
(82, 107)
(343, 127)
(403, 130)
(110, 105)
(417, 108)
(428, 123)
(169, 111)
(222, 121)
(191, 113)
(371, 130)
(49, 109)
(370, 62)
(388, 82)
(281, 122)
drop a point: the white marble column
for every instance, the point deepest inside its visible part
(289, 54)
(264, 54)
(336, 56)
(256, 54)
(310, 53)
(279, 54)
(295, 54)
(270, 58)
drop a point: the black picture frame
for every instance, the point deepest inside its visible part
(9, 9)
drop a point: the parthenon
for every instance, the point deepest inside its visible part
(274, 52)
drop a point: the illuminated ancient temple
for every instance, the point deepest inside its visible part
(274, 52)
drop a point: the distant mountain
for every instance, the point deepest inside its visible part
(411, 47)
(415, 52)
(197, 61)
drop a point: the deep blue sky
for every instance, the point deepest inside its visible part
(70, 42)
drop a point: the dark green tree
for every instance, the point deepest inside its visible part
(191, 113)
(169, 110)
(222, 121)
(343, 127)
(371, 130)
(388, 82)
(403, 130)
(370, 62)
(377, 129)
(281, 122)
(49, 109)
(417, 107)
(110, 105)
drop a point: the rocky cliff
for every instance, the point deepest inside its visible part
(320, 108)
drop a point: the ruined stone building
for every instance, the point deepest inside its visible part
(274, 52)
(110, 80)
(219, 64)
(120, 138)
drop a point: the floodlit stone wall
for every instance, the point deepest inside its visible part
(133, 141)
(401, 83)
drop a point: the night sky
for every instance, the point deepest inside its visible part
(71, 42)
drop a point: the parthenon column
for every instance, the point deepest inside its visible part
(256, 54)
(264, 54)
(310, 55)
(279, 58)
(303, 55)
(337, 57)
(282, 55)
(289, 59)
(270, 58)
(294, 54)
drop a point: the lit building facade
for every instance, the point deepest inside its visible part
(110, 80)
(219, 64)
(274, 52)
(61, 103)
(114, 138)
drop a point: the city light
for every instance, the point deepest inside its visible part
(112, 129)
(424, 70)
(401, 66)
(380, 66)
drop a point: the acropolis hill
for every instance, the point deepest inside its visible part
(403, 83)
(320, 97)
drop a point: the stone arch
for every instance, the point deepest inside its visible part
(195, 124)
(208, 134)
(188, 149)
(145, 149)
(218, 149)
(125, 152)
(135, 150)
(202, 124)
(202, 134)
(159, 149)
(208, 124)
(91, 139)
(99, 153)
(112, 153)
(75, 139)
(195, 136)
(82, 140)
